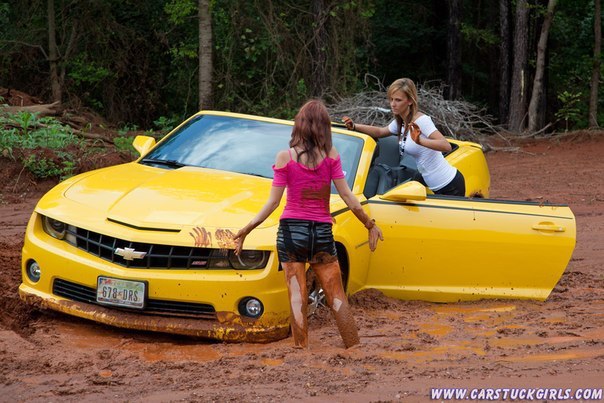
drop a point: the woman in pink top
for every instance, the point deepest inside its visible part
(304, 236)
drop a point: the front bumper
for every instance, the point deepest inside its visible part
(228, 327)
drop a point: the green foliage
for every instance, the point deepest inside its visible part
(405, 43)
(40, 144)
(124, 144)
(570, 62)
(179, 10)
(87, 72)
(4, 8)
(26, 130)
(135, 63)
(8, 139)
(166, 124)
(570, 111)
(264, 56)
(42, 167)
(127, 128)
(479, 37)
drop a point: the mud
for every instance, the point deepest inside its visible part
(407, 347)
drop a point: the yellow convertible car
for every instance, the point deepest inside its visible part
(148, 244)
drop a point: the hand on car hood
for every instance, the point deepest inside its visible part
(147, 197)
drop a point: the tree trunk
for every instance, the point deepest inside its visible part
(205, 56)
(595, 72)
(504, 60)
(319, 49)
(533, 110)
(454, 49)
(53, 54)
(518, 92)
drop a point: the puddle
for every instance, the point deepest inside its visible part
(531, 341)
(87, 337)
(469, 309)
(170, 352)
(562, 356)
(97, 338)
(441, 352)
(435, 329)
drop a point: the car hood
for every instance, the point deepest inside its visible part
(148, 197)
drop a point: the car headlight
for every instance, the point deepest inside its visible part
(248, 259)
(54, 228)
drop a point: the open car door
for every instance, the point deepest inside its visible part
(441, 248)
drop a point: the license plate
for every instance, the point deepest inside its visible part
(126, 293)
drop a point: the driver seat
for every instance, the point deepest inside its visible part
(382, 176)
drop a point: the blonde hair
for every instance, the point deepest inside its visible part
(407, 86)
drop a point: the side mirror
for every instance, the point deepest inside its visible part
(407, 191)
(143, 144)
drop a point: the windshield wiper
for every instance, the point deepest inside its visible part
(255, 174)
(169, 163)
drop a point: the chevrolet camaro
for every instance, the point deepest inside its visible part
(148, 244)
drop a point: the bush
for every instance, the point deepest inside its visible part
(24, 136)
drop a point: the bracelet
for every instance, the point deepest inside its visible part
(371, 224)
(354, 126)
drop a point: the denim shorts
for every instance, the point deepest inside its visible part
(305, 241)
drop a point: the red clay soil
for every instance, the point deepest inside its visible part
(407, 348)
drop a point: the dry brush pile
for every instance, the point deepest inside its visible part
(457, 119)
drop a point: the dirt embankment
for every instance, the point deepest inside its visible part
(408, 347)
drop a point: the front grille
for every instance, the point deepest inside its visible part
(156, 255)
(80, 293)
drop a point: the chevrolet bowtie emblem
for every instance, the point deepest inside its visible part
(129, 253)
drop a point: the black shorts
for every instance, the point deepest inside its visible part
(457, 186)
(305, 241)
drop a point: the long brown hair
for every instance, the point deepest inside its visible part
(312, 131)
(407, 86)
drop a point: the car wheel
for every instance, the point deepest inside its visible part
(316, 295)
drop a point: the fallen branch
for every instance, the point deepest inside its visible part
(91, 136)
(52, 109)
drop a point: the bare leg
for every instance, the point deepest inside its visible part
(331, 280)
(295, 276)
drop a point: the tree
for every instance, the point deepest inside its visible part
(504, 60)
(595, 73)
(454, 49)
(53, 54)
(518, 93)
(536, 97)
(57, 61)
(205, 55)
(319, 48)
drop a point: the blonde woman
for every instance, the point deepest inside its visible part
(418, 137)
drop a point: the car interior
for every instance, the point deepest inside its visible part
(389, 170)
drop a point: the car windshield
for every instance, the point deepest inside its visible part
(240, 145)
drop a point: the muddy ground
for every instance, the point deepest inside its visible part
(407, 347)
